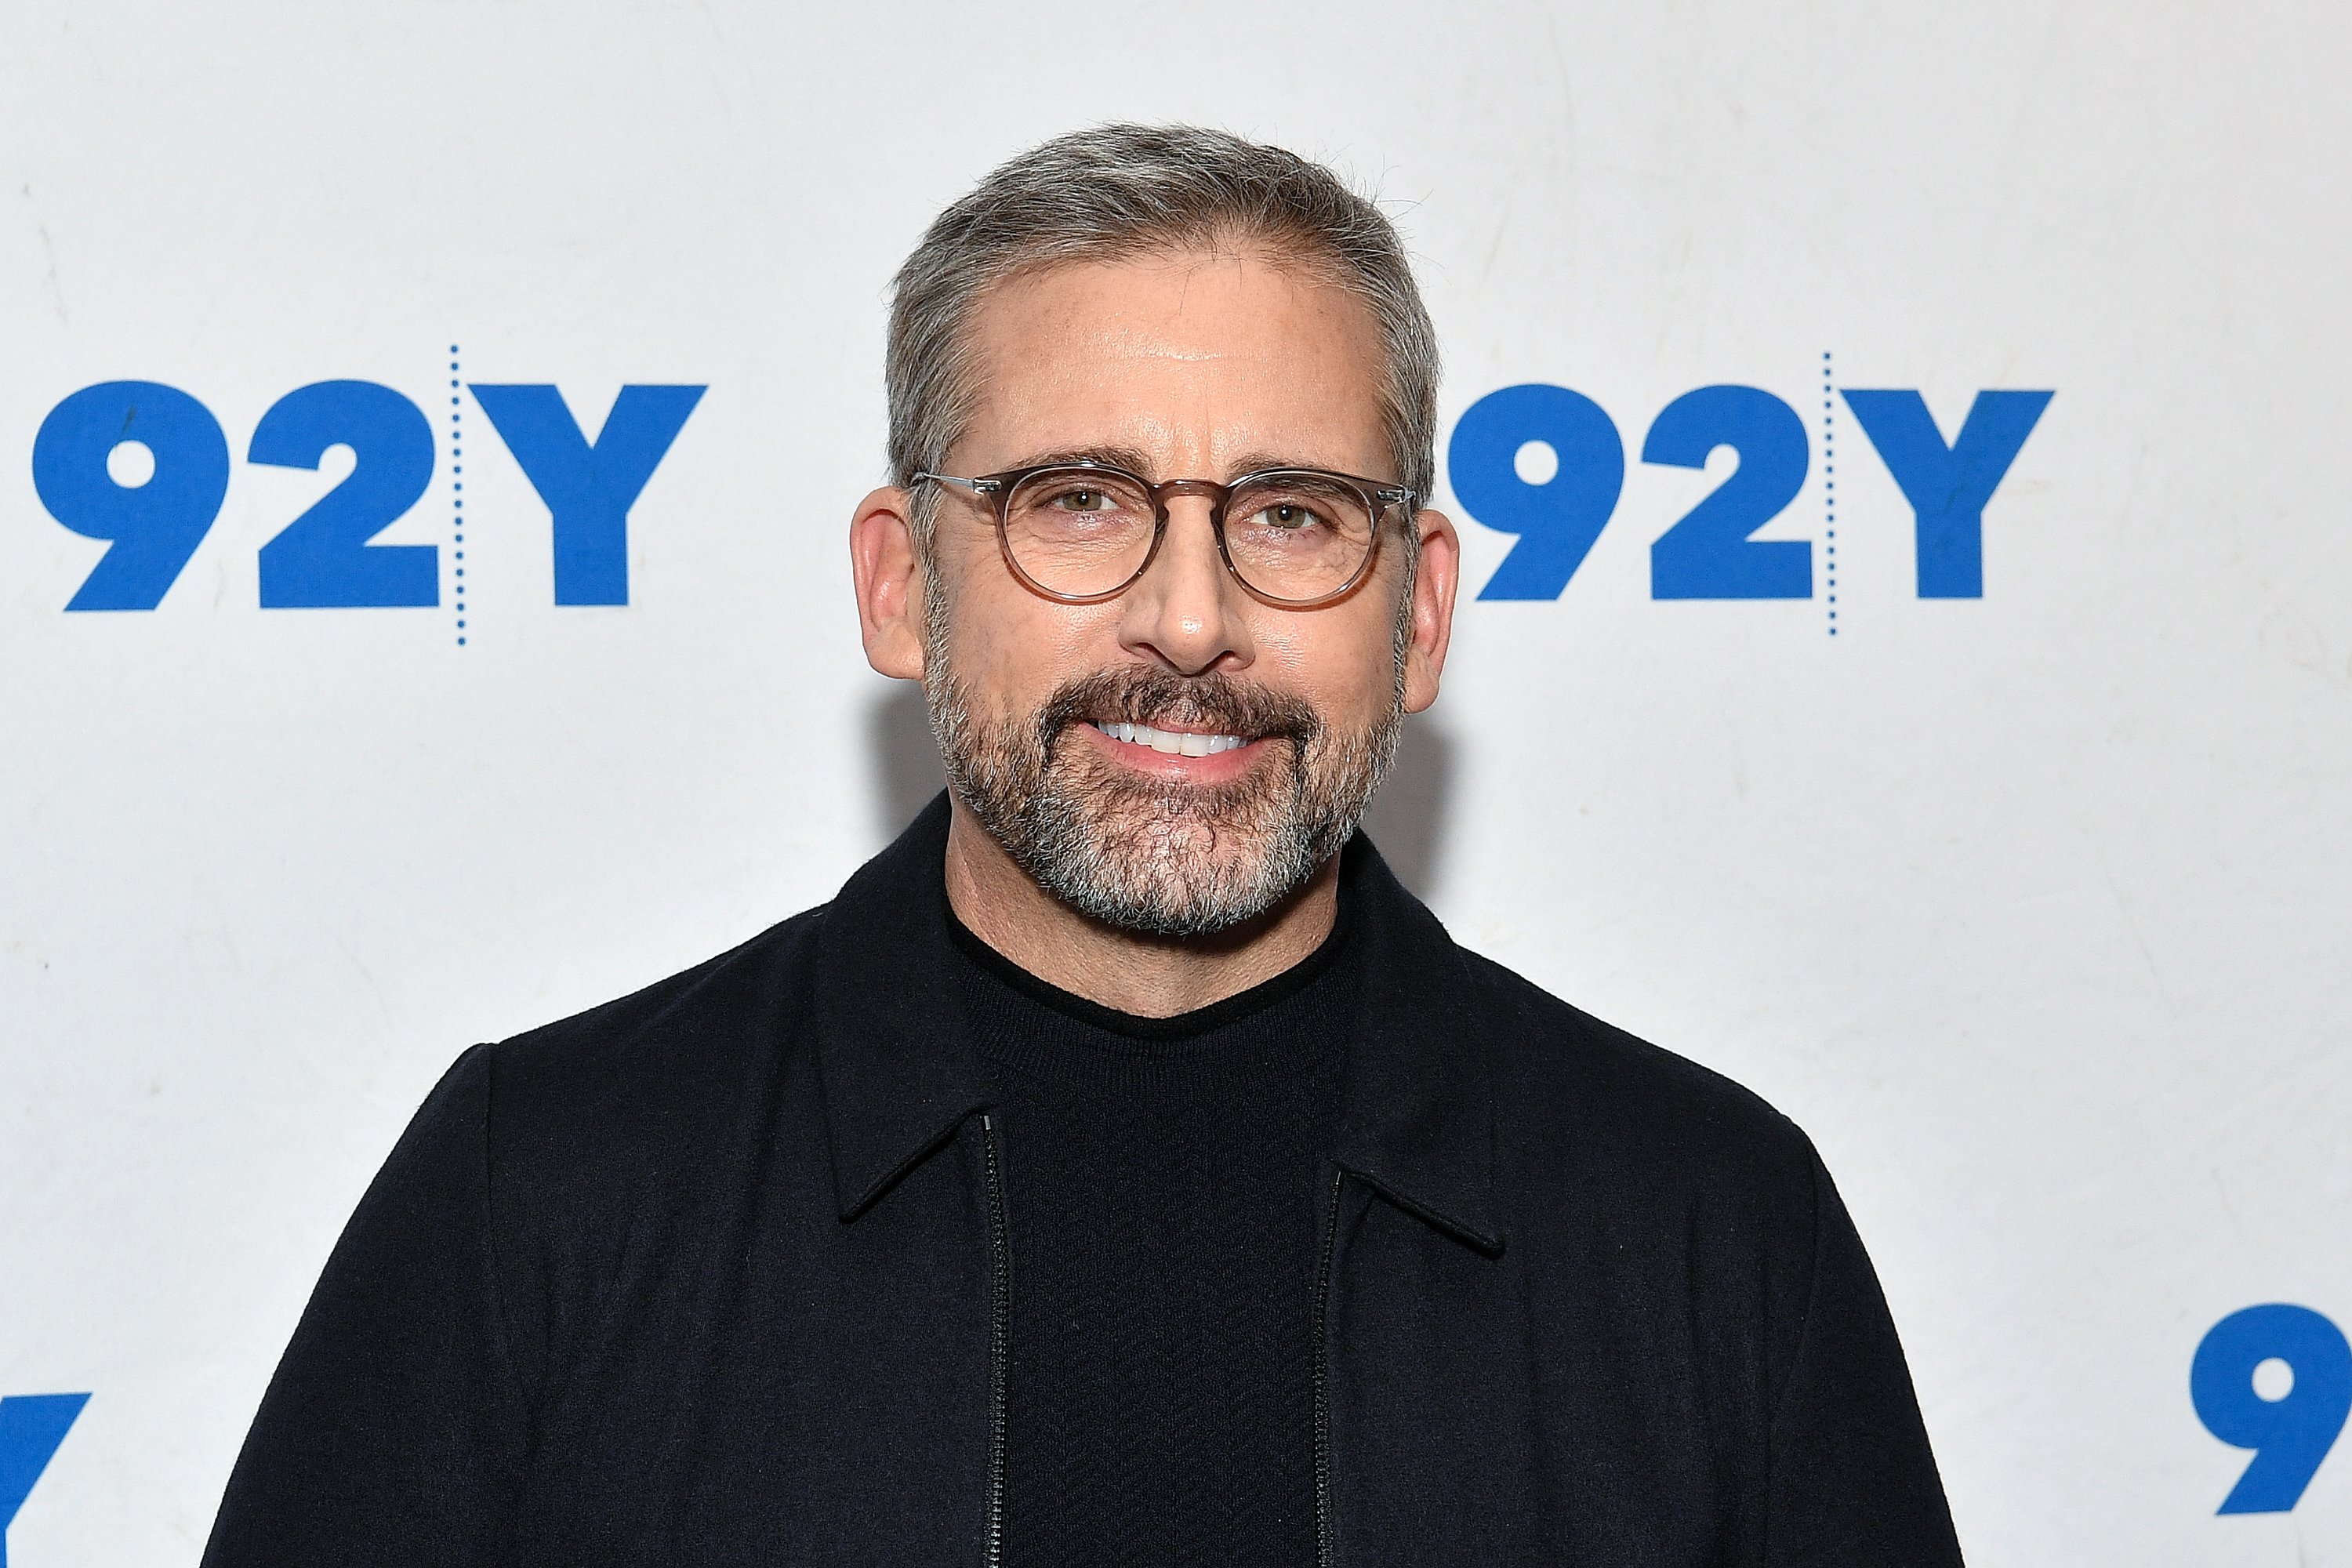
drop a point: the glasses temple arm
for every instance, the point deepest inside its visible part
(977, 486)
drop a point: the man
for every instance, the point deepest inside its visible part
(1124, 1168)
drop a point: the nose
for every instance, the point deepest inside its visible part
(1187, 612)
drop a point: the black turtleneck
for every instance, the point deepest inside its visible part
(1160, 1182)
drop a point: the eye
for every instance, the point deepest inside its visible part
(1083, 500)
(1287, 516)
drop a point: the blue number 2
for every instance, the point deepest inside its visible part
(1708, 554)
(322, 560)
(2289, 1436)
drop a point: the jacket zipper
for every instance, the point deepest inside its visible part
(1327, 1543)
(1000, 1344)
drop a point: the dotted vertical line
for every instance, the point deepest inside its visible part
(457, 492)
(1829, 488)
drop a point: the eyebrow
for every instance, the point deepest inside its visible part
(1128, 458)
(1135, 462)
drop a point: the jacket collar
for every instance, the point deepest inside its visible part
(1417, 1117)
(902, 1071)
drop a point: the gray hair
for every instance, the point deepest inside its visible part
(1118, 190)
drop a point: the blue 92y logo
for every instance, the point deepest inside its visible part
(326, 558)
(2290, 1432)
(1710, 552)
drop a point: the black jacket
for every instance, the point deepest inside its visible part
(718, 1275)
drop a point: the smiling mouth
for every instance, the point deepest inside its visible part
(1174, 742)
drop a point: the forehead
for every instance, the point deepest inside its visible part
(1201, 361)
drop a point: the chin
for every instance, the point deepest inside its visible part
(1181, 861)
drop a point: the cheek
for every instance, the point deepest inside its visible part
(1340, 659)
(1014, 650)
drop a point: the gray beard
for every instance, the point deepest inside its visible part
(1145, 856)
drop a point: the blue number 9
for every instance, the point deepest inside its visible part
(2291, 1435)
(152, 528)
(1557, 520)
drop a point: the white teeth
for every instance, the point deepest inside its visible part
(1174, 742)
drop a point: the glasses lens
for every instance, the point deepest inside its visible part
(1298, 535)
(1079, 530)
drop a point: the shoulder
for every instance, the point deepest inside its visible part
(1580, 1101)
(659, 1066)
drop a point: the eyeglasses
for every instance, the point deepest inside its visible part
(1083, 532)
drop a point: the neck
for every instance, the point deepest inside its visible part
(1150, 976)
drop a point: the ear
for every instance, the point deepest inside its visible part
(1432, 609)
(888, 574)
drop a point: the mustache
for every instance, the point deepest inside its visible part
(1165, 700)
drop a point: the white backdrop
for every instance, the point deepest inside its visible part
(2032, 908)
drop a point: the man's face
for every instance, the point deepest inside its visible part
(1180, 758)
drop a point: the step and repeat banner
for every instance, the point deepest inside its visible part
(1905, 662)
